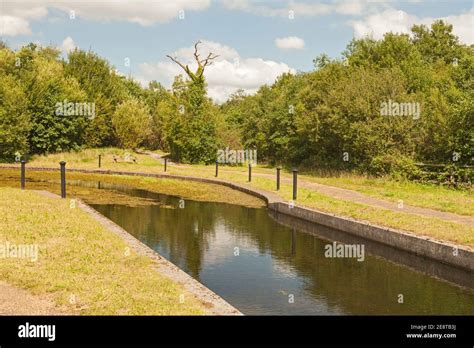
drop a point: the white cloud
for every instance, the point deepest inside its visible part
(142, 12)
(67, 45)
(353, 7)
(377, 25)
(391, 20)
(350, 7)
(12, 26)
(228, 73)
(16, 15)
(463, 26)
(290, 42)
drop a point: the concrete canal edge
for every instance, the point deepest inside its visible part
(451, 254)
(213, 303)
(442, 251)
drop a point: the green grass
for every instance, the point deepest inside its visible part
(430, 227)
(425, 226)
(420, 225)
(89, 158)
(80, 260)
(429, 196)
(422, 195)
(187, 190)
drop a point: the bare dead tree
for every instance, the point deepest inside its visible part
(202, 64)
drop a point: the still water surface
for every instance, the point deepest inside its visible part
(265, 263)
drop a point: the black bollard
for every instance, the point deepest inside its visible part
(217, 168)
(100, 158)
(250, 172)
(22, 179)
(295, 183)
(166, 163)
(278, 178)
(63, 179)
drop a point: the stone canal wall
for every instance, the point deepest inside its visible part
(214, 304)
(455, 255)
(451, 254)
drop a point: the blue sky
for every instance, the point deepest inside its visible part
(243, 32)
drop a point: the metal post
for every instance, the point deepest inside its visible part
(278, 178)
(250, 172)
(166, 163)
(217, 168)
(22, 174)
(100, 158)
(63, 179)
(295, 183)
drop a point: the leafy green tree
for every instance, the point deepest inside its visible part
(321, 61)
(104, 87)
(436, 43)
(131, 122)
(14, 119)
(307, 119)
(337, 107)
(192, 133)
(158, 100)
(47, 86)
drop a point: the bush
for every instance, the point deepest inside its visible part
(396, 165)
(131, 122)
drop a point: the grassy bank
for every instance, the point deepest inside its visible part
(85, 268)
(421, 195)
(187, 190)
(430, 196)
(430, 227)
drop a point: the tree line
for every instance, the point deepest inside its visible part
(385, 105)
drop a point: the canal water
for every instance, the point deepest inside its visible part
(266, 263)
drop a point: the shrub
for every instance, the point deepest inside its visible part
(396, 165)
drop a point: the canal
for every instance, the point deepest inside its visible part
(265, 263)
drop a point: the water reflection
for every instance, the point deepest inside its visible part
(259, 264)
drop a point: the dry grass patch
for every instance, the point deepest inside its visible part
(84, 267)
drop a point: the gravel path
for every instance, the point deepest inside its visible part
(16, 301)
